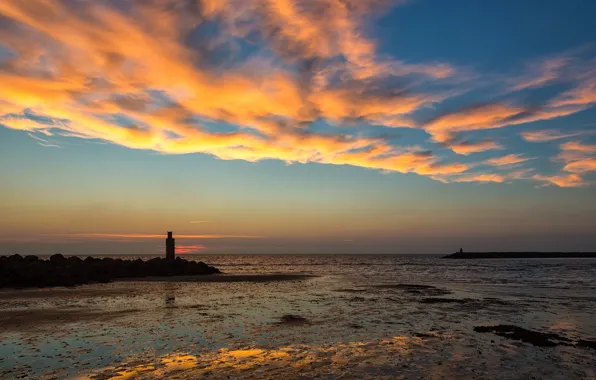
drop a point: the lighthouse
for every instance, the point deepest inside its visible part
(170, 247)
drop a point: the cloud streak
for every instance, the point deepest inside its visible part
(445, 128)
(578, 157)
(542, 74)
(186, 249)
(547, 135)
(117, 237)
(568, 180)
(510, 159)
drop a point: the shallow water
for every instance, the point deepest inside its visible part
(358, 321)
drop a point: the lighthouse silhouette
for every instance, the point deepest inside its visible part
(170, 247)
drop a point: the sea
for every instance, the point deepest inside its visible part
(339, 317)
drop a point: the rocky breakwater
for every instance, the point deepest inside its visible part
(17, 271)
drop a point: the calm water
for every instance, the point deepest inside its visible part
(568, 278)
(355, 326)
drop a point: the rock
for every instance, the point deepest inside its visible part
(424, 335)
(587, 343)
(529, 336)
(293, 319)
(16, 258)
(74, 260)
(58, 259)
(16, 271)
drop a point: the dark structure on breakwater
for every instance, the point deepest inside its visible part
(520, 255)
(170, 247)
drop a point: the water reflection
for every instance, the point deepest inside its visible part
(169, 290)
(435, 356)
(57, 333)
(254, 362)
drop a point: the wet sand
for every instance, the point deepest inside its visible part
(89, 290)
(222, 278)
(36, 320)
(358, 325)
(30, 319)
(398, 357)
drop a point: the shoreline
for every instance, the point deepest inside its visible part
(221, 277)
(8, 293)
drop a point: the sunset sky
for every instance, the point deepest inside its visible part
(280, 126)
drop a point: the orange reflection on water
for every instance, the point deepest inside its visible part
(158, 369)
(179, 362)
(267, 363)
(244, 359)
(125, 373)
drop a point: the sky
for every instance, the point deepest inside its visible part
(312, 126)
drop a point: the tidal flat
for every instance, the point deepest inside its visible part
(316, 317)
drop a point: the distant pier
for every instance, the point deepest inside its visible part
(520, 255)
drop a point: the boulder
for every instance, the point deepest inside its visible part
(58, 259)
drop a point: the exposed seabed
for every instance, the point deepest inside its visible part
(275, 326)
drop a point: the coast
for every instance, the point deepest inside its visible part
(416, 316)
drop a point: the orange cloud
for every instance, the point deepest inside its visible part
(569, 180)
(477, 177)
(128, 54)
(578, 157)
(321, 29)
(520, 174)
(185, 249)
(510, 159)
(486, 116)
(130, 77)
(480, 178)
(581, 166)
(582, 95)
(501, 177)
(542, 74)
(546, 135)
(577, 146)
(489, 116)
(468, 147)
